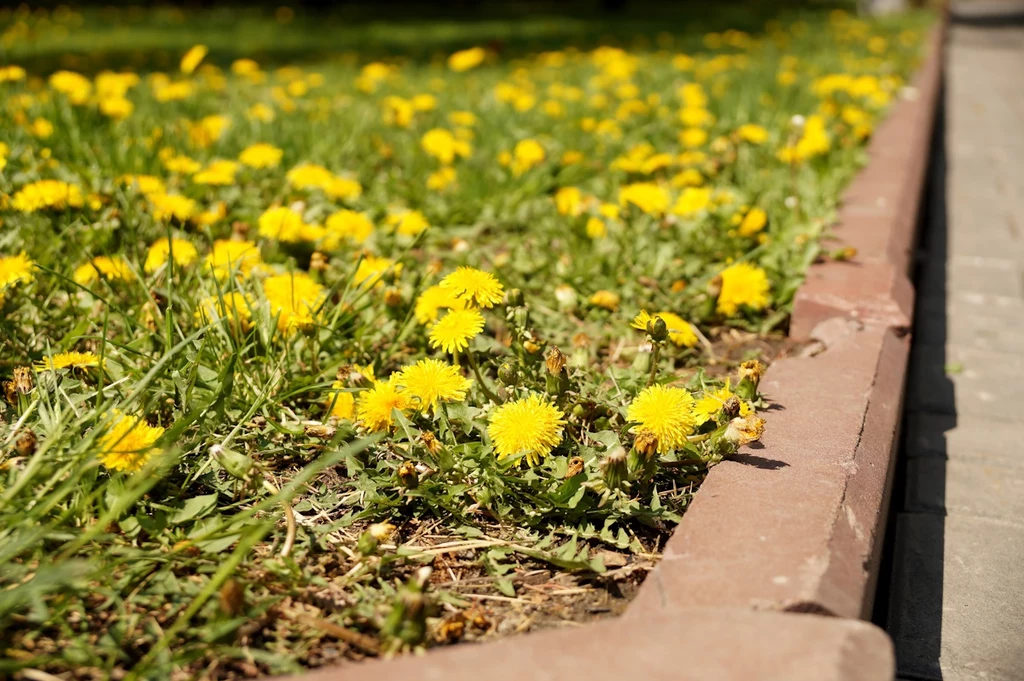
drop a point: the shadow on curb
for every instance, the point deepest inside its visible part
(910, 591)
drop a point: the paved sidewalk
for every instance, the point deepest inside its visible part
(957, 603)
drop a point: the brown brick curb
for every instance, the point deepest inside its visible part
(794, 525)
(693, 645)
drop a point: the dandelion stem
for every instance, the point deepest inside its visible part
(655, 356)
(480, 379)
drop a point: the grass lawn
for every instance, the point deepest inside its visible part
(325, 337)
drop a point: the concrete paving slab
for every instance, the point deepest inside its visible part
(961, 615)
(946, 435)
(980, 486)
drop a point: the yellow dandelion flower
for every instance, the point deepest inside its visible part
(569, 201)
(371, 269)
(294, 300)
(167, 207)
(347, 224)
(476, 287)
(743, 284)
(41, 128)
(261, 155)
(693, 137)
(244, 67)
(230, 256)
(526, 154)
(530, 426)
(219, 172)
(11, 73)
(127, 444)
(309, 176)
(343, 189)
(454, 331)
(647, 196)
(179, 163)
(680, 331)
(753, 222)
(192, 58)
(444, 146)
(144, 184)
(596, 228)
(641, 320)
(47, 194)
(692, 201)
(434, 299)
(665, 413)
(464, 60)
(69, 360)
(340, 403)
(431, 381)
(168, 91)
(708, 406)
(102, 267)
(74, 86)
(465, 119)
(609, 300)
(184, 254)
(441, 179)
(233, 306)
(408, 222)
(754, 134)
(207, 130)
(260, 112)
(15, 269)
(116, 108)
(377, 405)
(281, 223)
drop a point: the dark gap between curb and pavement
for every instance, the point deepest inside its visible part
(929, 276)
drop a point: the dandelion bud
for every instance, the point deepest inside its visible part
(574, 468)
(744, 429)
(26, 443)
(370, 539)
(579, 411)
(715, 286)
(657, 329)
(23, 382)
(843, 254)
(317, 262)
(750, 376)
(532, 347)
(407, 621)
(392, 297)
(646, 443)
(431, 443)
(149, 316)
(731, 408)
(237, 465)
(381, 531)
(555, 361)
(521, 317)
(508, 373)
(232, 597)
(407, 475)
(514, 298)
(320, 431)
(613, 468)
